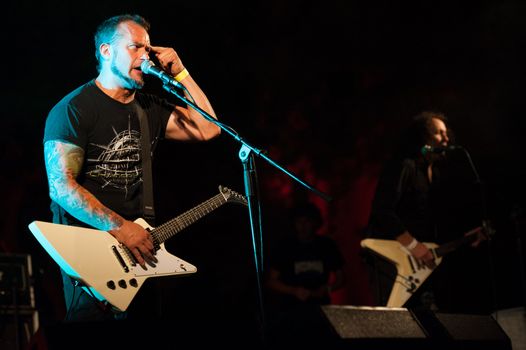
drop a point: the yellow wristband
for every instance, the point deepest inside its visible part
(181, 75)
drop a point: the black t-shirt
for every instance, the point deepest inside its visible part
(109, 133)
(406, 200)
(307, 264)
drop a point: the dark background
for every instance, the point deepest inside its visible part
(324, 87)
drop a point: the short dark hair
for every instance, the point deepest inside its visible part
(422, 124)
(107, 31)
(418, 132)
(308, 210)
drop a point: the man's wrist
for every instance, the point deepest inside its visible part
(181, 75)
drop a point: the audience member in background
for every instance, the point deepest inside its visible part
(305, 267)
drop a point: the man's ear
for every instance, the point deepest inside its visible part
(105, 51)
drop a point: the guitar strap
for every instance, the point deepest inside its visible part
(146, 156)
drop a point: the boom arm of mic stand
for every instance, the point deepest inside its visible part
(251, 148)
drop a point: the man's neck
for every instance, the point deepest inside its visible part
(114, 90)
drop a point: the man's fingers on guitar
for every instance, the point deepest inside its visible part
(426, 261)
(148, 245)
(149, 258)
(421, 264)
(138, 256)
(431, 264)
(151, 262)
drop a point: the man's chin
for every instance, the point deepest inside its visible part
(137, 84)
(135, 81)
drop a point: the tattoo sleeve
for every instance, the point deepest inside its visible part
(63, 163)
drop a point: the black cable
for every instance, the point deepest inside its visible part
(75, 284)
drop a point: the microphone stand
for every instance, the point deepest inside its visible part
(486, 225)
(246, 155)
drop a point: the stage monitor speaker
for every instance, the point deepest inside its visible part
(337, 327)
(513, 322)
(475, 331)
(385, 328)
(374, 327)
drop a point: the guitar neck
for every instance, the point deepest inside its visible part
(170, 228)
(454, 245)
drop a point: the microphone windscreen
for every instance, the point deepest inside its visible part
(146, 65)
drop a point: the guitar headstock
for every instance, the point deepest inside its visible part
(487, 230)
(232, 196)
(480, 233)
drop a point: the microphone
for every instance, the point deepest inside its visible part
(428, 149)
(148, 67)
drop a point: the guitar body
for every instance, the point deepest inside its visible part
(90, 256)
(105, 268)
(409, 274)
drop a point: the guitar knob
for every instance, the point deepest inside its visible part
(110, 284)
(122, 284)
(133, 282)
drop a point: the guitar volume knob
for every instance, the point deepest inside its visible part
(122, 284)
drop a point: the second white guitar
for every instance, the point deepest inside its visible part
(410, 273)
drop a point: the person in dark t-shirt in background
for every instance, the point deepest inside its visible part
(306, 266)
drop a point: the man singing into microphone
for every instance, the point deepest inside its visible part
(409, 204)
(92, 145)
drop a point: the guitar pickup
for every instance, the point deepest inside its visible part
(410, 258)
(120, 259)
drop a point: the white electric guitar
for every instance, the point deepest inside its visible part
(410, 273)
(107, 269)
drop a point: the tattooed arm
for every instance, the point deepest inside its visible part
(63, 163)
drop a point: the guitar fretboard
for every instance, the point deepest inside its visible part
(170, 228)
(453, 245)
